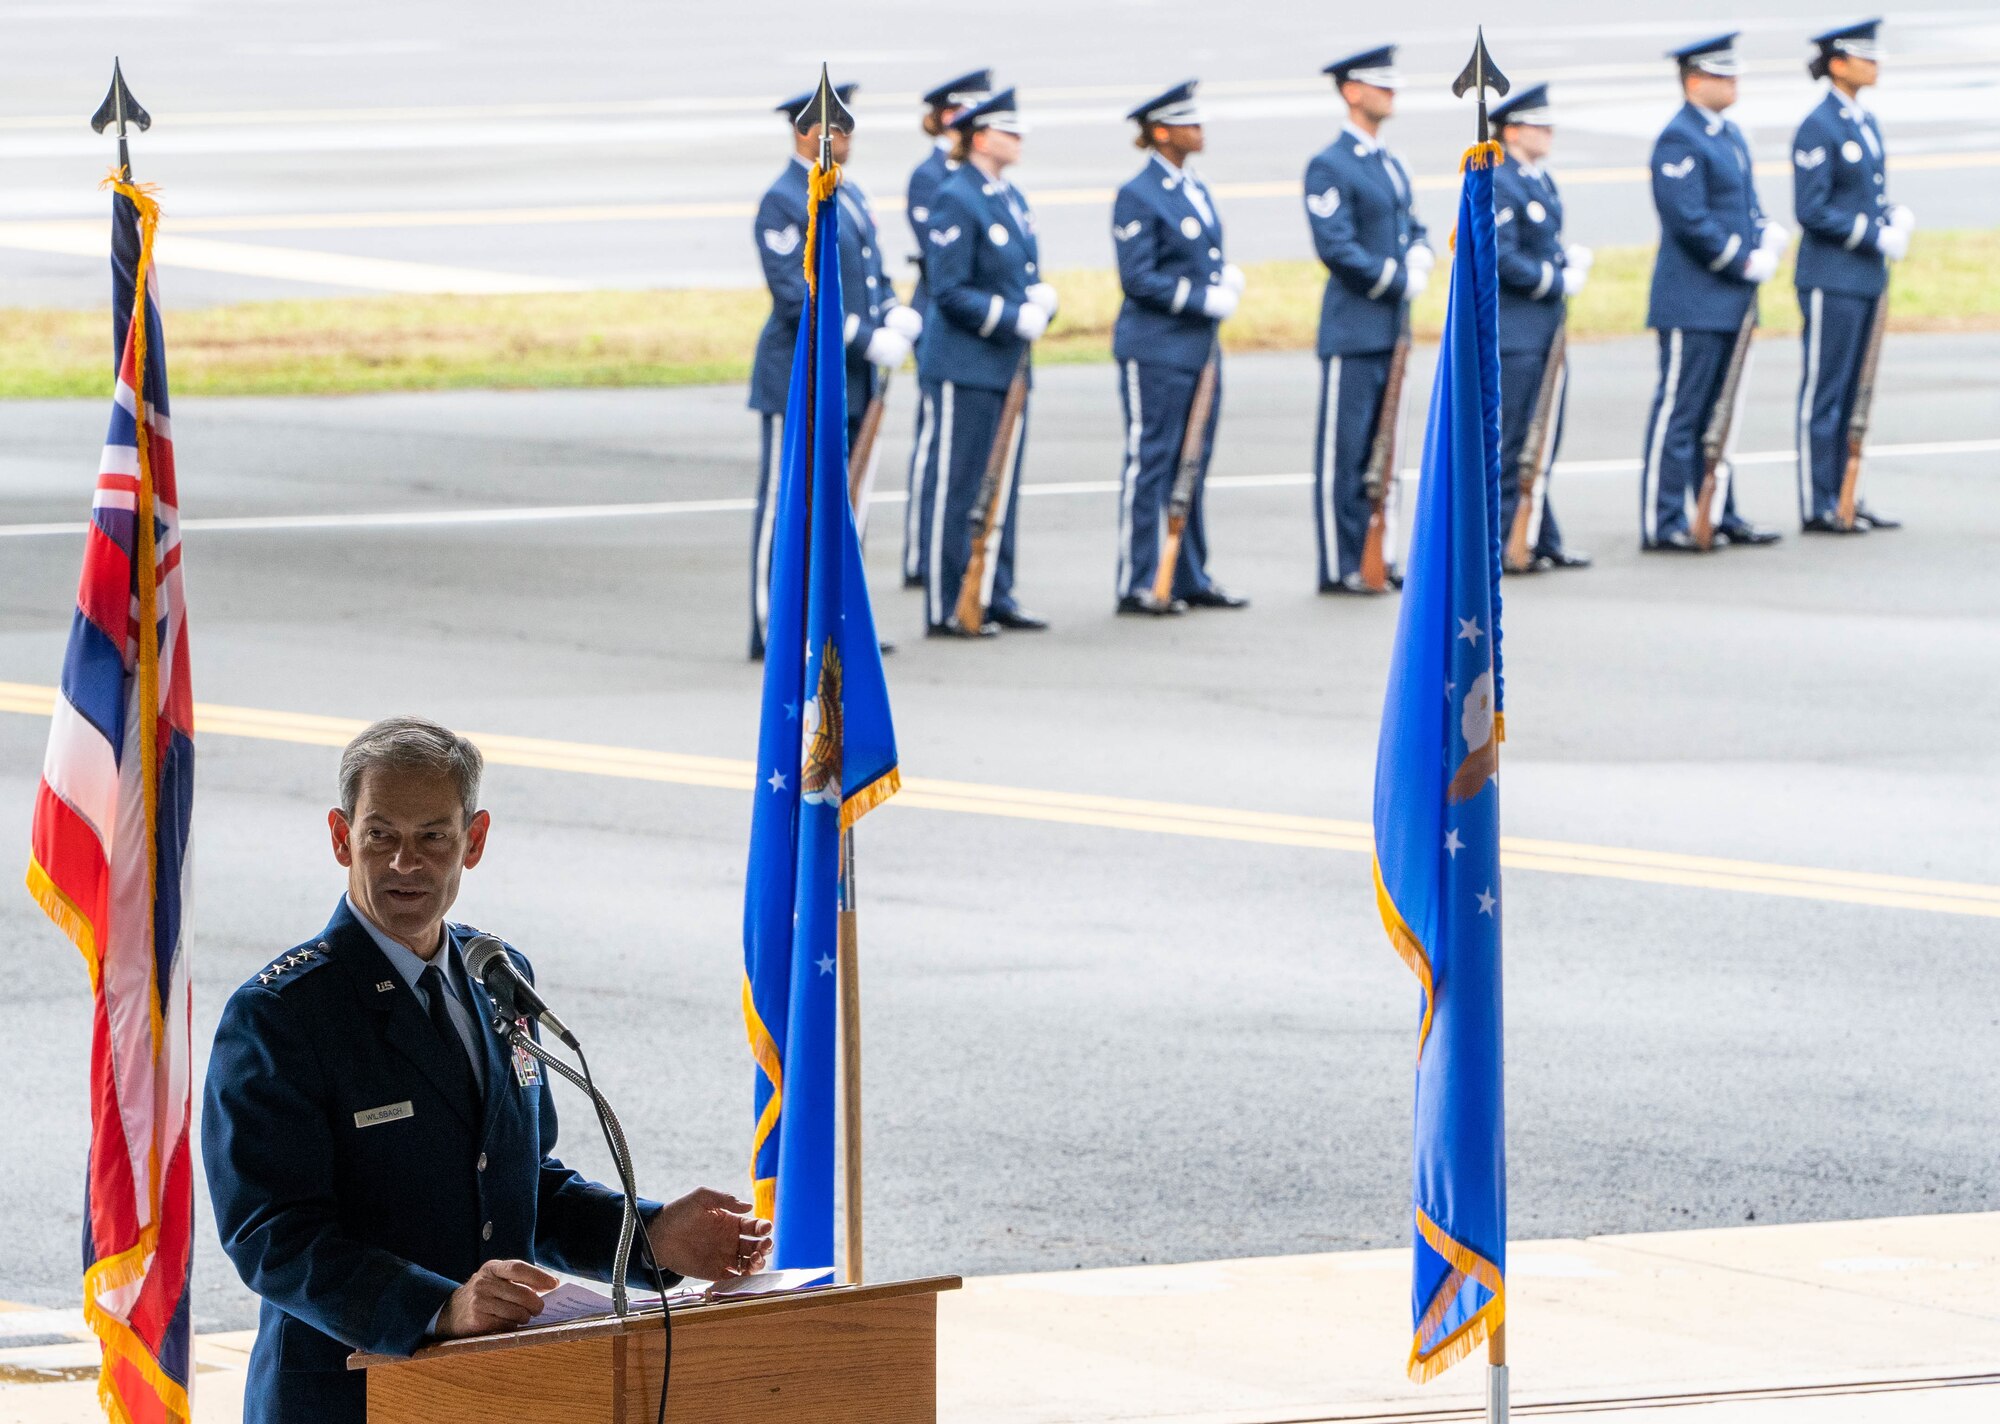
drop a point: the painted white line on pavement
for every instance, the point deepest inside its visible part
(670, 508)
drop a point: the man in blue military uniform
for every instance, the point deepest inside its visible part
(1849, 233)
(1538, 275)
(381, 1163)
(941, 106)
(1716, 247)
(989, 305)
(880, 331)
(1178, 290)
(1378, 260)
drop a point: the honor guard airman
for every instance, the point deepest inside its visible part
(1538, 275)
(1378, 260)
(989, 305)
(1716, 247)
(941, 106)
(1849, 233)
(880, 331)
(1178, 291)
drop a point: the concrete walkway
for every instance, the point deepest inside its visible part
(1834, 1323)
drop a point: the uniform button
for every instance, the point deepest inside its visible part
(486, 1232)
(1031, 267)
(482, 1162)
(1878, 177)
(1215, 252)
(871, 281)
(867, 252)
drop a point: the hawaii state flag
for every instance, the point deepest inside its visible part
(1437, 813)
(826, 756)
(110, 860)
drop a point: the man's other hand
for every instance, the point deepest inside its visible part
(502, 1295)
(710, 1236)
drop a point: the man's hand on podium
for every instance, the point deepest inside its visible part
(710, 1236)
(502, 1295)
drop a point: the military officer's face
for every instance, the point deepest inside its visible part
(1185, 137)
(1368, 101)
(405, 847)
(1001, 149)
(1852, 72)
(809, 144)
(1530, 141)
(1713, 92)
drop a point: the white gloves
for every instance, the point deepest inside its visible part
(1031, 322)
(1233, 278)
(1901, 217)
(907, 320)
(1574, 279)
(1775, 238)
(1044, 297)
(1761, 266)
(887, 348)
(1578, 256)
(1218, 303)
(1415, 278)
(1420, 259)
(1894, 242)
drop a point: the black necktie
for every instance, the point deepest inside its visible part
(431, 981)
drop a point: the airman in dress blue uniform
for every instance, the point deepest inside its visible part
(880, 331)
(1538, 275)
(941, 106)
(989, 305)
(1378, 260)
(1716, 247)
(1849, 233)
(381, 1162)
(1167, 235)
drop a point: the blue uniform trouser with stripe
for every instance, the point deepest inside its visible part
(1836, 341)
(963, 424)
(1158, 402)
(1520, 387)
(916, 552)
(1692, 367)
(1350, 404)
(763, 522)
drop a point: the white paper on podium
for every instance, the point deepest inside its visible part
(573, 1301)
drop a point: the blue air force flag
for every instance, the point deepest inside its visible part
(826, 755)
(1437, 812)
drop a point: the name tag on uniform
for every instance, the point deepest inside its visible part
(527, 1067)
(392, 1112)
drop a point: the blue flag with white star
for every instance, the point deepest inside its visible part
(1437, 812)
(826, 755)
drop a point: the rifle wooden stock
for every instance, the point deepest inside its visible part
(1185, 476)
(989, 508)
(861, 459)
(1380, 479)
(1715, 437)
(1534, 463)
(1857, 420)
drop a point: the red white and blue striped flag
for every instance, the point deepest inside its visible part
(110, 861)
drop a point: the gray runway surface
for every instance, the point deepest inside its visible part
(1088, 1045)
(625, 144)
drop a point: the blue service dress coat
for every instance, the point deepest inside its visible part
(1169, 250)
(1363, 225)
(980, 258)
(1710, 223)
(1839, 192)
(357, 1182)
(1528, 220)
(925, 180)
(865, 289)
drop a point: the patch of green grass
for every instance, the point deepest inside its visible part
(672, 338)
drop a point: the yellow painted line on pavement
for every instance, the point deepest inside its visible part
(1072, 808)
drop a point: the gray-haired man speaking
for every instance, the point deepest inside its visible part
(382, 1165)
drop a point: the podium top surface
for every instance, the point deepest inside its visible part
(649, 1319)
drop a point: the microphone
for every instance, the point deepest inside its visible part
(487, 960)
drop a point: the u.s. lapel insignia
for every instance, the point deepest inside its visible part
(527, 1067)
(385, 986)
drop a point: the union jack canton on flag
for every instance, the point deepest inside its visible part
(109, 861)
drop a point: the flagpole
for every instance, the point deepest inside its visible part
(850, 1057)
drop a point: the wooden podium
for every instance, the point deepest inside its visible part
(835, 1355)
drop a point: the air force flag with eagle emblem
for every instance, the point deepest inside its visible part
(826, 755)
(1437, 812)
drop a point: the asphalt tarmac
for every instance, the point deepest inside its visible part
(495, 148)
(1086, 1044)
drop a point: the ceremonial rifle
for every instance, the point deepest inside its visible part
(1383, 457)
(1533, 469)
(1857, 420)
(1714, 490)
(1189, 471)
(990, 507)
(861, 459)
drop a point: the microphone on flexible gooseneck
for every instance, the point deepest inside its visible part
(487, 960)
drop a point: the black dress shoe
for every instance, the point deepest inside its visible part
(1216, 596)
(1146, 603)
(884, 647)
(1564, 559)
(1678, 542)
(952, 628)
(1747, 534)
(1019, 619)
(913, 580)
(1351, 583)
(1864, 515)
(1830, 524)
(1539, 564)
